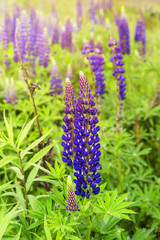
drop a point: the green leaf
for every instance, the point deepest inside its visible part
(18, 172)
(6, 160)
(24, 132)
(35, 143)
(142, 234)
(5, 220)
(17, 237)
(46, 229)
(2, 187)
(31, 177)
(9, 128)
(38, 156)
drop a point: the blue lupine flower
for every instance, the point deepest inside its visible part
(140, 35)
(124, 35)
(56, 81)
(86, 141)
(68, 127)
(79, 14)
(116, 60)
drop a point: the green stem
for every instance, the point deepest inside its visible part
(89, 229)
(120, 173)
(25, 189)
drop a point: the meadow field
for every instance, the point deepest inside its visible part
(79, 120)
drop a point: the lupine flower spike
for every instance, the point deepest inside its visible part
(10, 93)
(56, 81)
(116, 60)
(87, 153)
(124, 35)
(140, 35)
(71, 198)
(68, 128)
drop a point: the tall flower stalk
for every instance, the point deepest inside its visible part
(118, 72)
(140, 35)
(68, 127)
(124, 35)
(87, 153)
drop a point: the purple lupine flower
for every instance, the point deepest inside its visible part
(44, 50)
(116, 18)
(140, 35)
(99, 75)
(91, 42)
(63, 38)
(69, 71)
(10, 93)
(85, 48)
(68, 128)
(56, 32)
(68, 34)
(54, 11)
(93, 16)
(40, 25)
(116, 60)
(6, 61)
(87, 153)
(79, 14)
(24, 35)
(56, 81)
(6, 31)
(71, 198)
(124, 35)
(16, 13)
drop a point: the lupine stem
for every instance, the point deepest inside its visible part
(30, 87)
(89, 229)
(120, 172)
(24, 185)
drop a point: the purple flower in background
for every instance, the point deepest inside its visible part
(86, 160)
(56, 81)
(71, 198)
(44, 50)
(79, 14)
(124, 35)
(6, 31)
(140, 35)
(68, 128)
(6, 61)
(93, 16)
(118, 72)
(68, 34)
(85, 48)
(10, 93)
(69, 71)
(16, 14)
(56, 32)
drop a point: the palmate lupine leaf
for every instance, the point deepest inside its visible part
(58, 222)
(113, 206)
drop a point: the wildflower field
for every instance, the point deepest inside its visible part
(80, 120)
